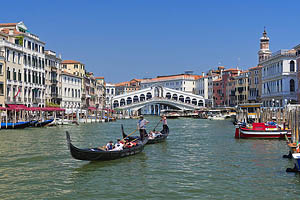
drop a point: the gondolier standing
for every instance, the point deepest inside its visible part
(165, 124)
(142, 127)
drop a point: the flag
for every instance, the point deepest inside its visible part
(17, 93)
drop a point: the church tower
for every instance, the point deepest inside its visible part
(264, 51)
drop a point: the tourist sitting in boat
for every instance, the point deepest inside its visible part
(109, 146)
(118, 146)
(154, 134)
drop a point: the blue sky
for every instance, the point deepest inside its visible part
(127, 39)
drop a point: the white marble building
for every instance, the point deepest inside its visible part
(279, 79)
(109, 93)
(71, 91)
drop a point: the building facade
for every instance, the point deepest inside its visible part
(2, 79)
(254, 95)
(181, 82)
(297, 49)
(242, 88)
(53, 77)
(279, 79)
(25, 65)
(71, 91)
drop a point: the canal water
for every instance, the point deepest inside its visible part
(200, 160)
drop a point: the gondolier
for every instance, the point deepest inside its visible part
(165, 124)
(142, 126)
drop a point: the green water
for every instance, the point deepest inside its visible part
(200, 160)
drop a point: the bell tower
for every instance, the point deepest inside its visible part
(264, 51)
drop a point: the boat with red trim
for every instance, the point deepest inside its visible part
(262, 130)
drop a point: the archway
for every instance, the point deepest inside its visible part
(168, 95)
(116, 103)
(129, 100)
(122, 102)
(292, 66)
(194, 101)
(135, 99)
(181, 98)
(148, 96)
(292, 85)
(200, 103)
(187, 100)
(142, 97)
(175, 97)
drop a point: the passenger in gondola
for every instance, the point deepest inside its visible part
(118, 146)
(110, 146)
(165, 123)
(142, 127)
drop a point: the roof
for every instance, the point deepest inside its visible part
(257, 67)
(165, 78)
(231, 69)
(99, 77)
(70, 62)
(8, 24)
(219, 79)
(69, 74)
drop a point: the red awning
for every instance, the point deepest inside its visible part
(16, 107)
(34, 108)
(109, 110)
(2, 108)
(50, 109)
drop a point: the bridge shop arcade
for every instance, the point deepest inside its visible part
(154, 99)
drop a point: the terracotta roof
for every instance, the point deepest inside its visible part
(70, 62)
(231, 69)
(9, 24)
(122, 83)
(257, 67)
(5, 30)
(99, 77)
(165, 78)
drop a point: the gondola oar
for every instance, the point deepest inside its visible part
(156, 125)
(129, 134)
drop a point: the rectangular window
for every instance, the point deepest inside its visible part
(14, 75)
(1, 68)
(13, 57)
(1, 88)
(8, 74)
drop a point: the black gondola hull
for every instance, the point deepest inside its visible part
(95, 154)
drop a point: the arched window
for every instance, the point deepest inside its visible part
(194, 101)
(181, 98)
(175, 97)
(187, 100)
(168, 95)
(129, 100)
(200, 103)
(292, 66)
(149, 95)
(142, 97)
(116, 103)
(122, 102)
(292, 85)
(135, 99)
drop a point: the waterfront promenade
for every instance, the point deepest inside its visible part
(200, 160)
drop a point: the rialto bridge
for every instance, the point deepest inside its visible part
(153, 99)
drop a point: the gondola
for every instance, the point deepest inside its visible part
(96, 154)
(43, 123)
(162, 137)
(18, 125)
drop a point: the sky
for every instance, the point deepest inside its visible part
(127, 39)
